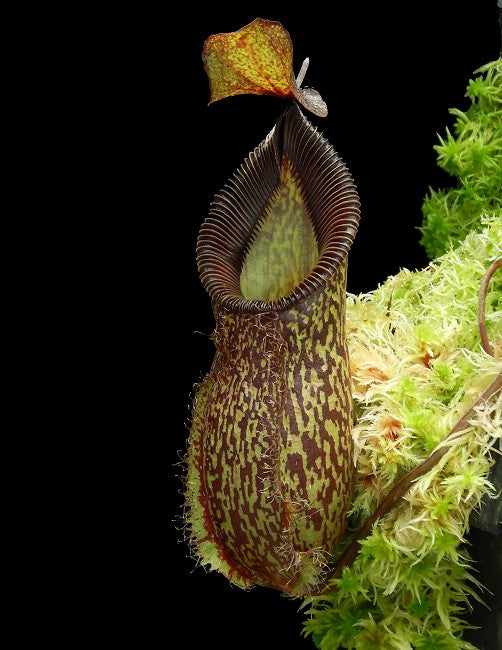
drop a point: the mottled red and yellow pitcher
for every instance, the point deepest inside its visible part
(270, 457)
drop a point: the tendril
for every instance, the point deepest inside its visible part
(481, 305)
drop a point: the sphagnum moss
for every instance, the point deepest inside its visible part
(473, 155)
(417, 366)
(411, 581)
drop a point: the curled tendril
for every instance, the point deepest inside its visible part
(481, 305)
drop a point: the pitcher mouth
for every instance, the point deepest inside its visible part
(282, 226)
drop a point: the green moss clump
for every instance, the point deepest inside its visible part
(417, 366)
(473, 154)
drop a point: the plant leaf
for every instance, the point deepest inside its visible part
(257, 60)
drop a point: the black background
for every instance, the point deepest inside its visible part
(388, 72)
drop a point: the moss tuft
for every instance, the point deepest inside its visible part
(472, 154)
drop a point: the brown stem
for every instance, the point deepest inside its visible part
(481, 305)
(404, 484)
